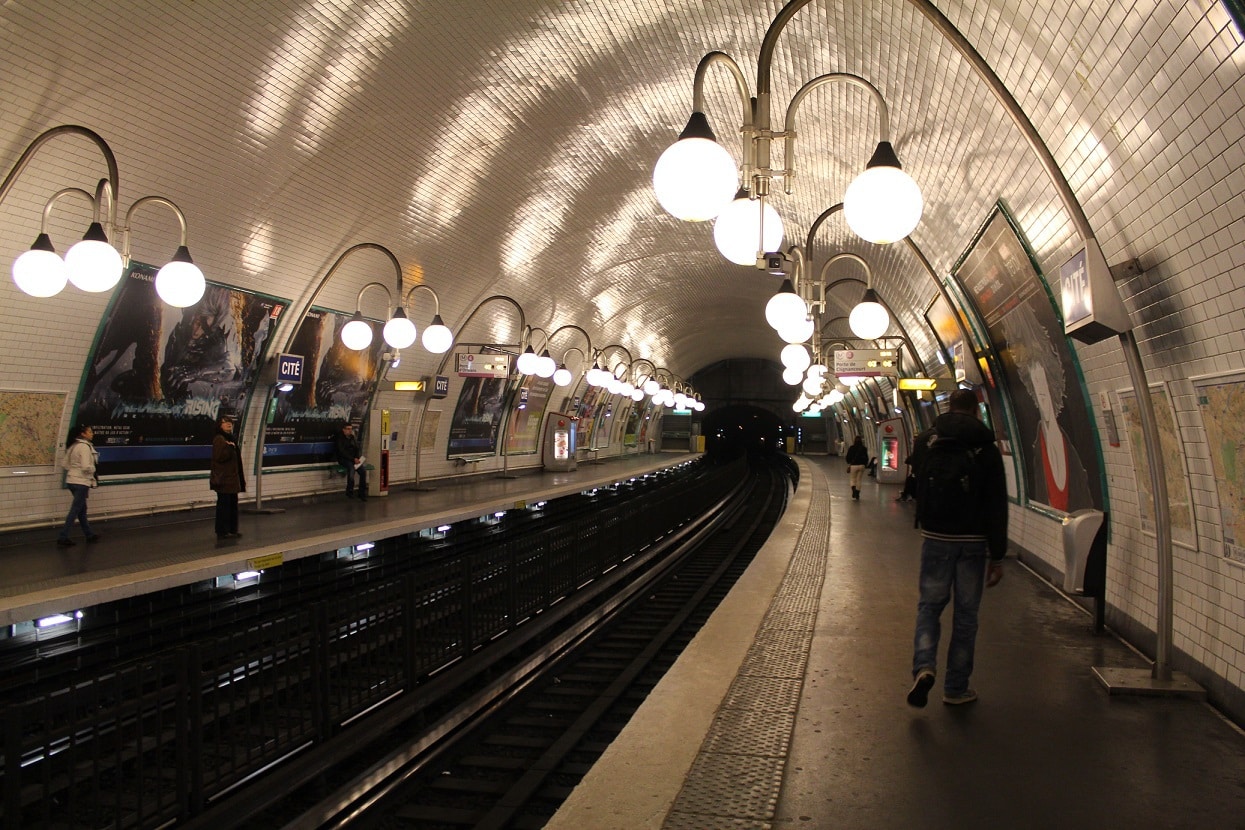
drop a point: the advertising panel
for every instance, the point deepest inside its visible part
(337, 388)
(477, 417)
(527, 414)
(1059, 446)
(158, 377)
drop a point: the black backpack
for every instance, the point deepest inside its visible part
(948, 490)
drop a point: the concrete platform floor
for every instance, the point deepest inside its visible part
(832, 743)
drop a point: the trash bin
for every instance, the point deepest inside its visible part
(1083, 535)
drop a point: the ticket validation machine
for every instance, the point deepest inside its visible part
(892, 451)
(559, 444)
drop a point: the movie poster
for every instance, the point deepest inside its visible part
(158, 376)
(631, 431)
(1055, 427)
(527, 414)
(477, 417)
(337, 388)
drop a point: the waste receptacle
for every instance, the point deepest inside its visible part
(1082, 536)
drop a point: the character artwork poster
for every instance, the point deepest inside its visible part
(477, 417)
(337, 388)
(158, 377)
(1055, 426)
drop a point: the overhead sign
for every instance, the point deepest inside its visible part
(1092, 308)
(483, 365)
(290, 368)
(866, 363)
(927, 385)
(440, 386)
(410, 385)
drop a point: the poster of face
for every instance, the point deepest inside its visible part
(587, 416)
(526, 416)
(631, 432)
(477, 417)
(158, 377)
(337, 388)
(1042, 379)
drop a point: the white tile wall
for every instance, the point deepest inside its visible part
(506, 148)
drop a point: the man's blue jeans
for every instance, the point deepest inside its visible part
(77, 510)
(946, 568)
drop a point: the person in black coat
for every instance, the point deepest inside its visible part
(350, 456)
(857, 459)
(227, 479)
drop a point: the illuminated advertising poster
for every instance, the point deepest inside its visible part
(477, 417)
(631, 431)
(158, 376)
(603, 418)
(1059, 448)
(526, 415)
(587, 422)
(337, 388)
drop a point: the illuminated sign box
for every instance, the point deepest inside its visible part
(482, 365)
(866, 363)
(1092, 308)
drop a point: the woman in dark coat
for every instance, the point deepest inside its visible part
(227, 479)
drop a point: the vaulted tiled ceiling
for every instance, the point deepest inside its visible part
(507, 147)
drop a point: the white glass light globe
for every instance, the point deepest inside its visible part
(800, 403)
(593, 376)
(437, 338)
(399, 332)
(793, 377)
(695, 178)
(869, 321)
(357, 335)
(700, 406)
(785, 309)
(812, 386)
(798, 333)
(651, 387)
(546, 367)
(795, 356)
(737, 235)
(180, 284)
(527, 363)
(93, 265)
(836, 396)
(883, 205)
(637, 395)
(817, 370)
(680, 400)
(562, 377)
(614, 386)
(40, 273)
(849, 380)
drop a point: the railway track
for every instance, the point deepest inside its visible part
(511, 761)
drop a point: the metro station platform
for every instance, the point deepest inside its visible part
(141, 555)
(789, 708)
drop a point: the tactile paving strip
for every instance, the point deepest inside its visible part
(736, 778)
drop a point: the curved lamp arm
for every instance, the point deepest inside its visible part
(153, 200)
(884, 118)
(110, 185)
(358, 300)
(555, 332)
(436, 301)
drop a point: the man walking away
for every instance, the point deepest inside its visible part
(962, 513)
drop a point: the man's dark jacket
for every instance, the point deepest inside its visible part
(989, 520)
(347, 449)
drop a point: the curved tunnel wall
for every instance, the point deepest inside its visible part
(500, 155)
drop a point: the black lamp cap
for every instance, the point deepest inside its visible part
(436, 320)
(399, 312)
(43, 242)
(786, 287)
(358, 315)
(871, 296)
(884, 156)
(95, 233)
(528, 350)
(698, 127)
(182, 254)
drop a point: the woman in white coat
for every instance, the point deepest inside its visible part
(80, 463)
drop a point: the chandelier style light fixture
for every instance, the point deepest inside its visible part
(93, 264)
(692, 181)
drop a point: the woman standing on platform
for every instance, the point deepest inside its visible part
(857, 459)
(227, 479)
(80, 463)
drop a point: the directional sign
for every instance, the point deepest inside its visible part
(290, 368)
(440, 386)
(866, 362)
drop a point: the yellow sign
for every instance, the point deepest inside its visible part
(520, 505)
(918, 384)
(384, 422)
(259, 563)
(409, 386)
